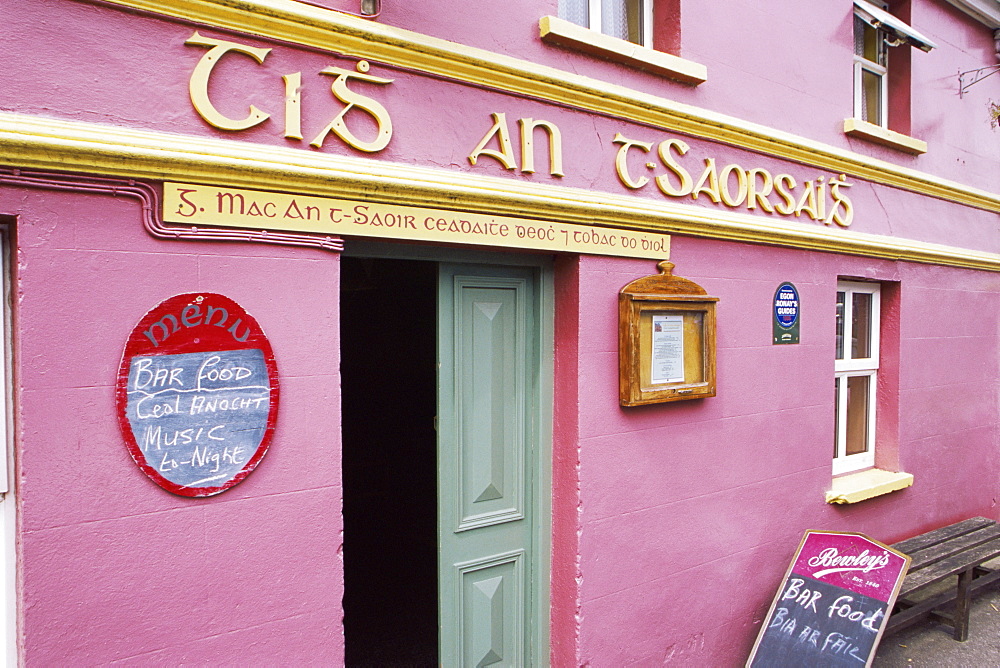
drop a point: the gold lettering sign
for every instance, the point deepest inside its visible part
(362, 102)
(504, 154)
(198, 87)
(676, 174)
(254, 209)
(823, 200)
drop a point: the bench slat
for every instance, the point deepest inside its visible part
(950, 566)
(958, 549)
(940, 551)
(936, 536)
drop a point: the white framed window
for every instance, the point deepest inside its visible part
(871, 56)
(630, 20)
(856, 375)
(875, 30)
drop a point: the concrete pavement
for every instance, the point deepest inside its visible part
(929, 644)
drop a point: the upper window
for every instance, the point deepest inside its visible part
(856, 375)
(630, 20)
(881, 77)
(616, 29)
(870, 61)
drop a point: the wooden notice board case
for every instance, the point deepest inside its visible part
(666, 340)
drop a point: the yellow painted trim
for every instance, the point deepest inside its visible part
(883, 136)
(563, 33)
(866, 485)
(304, 24)
(31, 142)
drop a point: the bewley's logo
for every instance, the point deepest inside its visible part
(835, 563)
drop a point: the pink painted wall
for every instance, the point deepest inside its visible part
(660, 512)
(113, 568)
(690, 511)
(782, 64)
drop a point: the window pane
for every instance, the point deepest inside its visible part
(614, 18)
(859, 36)
(622, 19)
(857, 414)
(575, 11)
(634, 17)
(861, 326)
(871, 96)
(840, 325)
(868, 42)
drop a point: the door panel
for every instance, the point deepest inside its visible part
(488, 357)
(489, 396)
(492, 610)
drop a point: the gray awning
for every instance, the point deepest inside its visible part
(883, 20)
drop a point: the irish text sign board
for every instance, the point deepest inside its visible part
(833, 603)
(197, 394)
(198, 205)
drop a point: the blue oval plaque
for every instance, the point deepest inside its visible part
(786, 305)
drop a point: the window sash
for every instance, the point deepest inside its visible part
(857, 333)
(855, 417)
(871, 55)
(870, 101)
(847, 322)
(635, 18)
(869, 43)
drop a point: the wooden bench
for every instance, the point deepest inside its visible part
(958, 549)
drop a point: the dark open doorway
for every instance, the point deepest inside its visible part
(389, 399)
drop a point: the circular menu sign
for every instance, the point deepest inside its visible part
(197, 394)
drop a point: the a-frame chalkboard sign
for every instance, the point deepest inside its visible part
(833, 603)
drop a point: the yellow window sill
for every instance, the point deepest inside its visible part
(868, 484)
(563, 33)
(883, 136)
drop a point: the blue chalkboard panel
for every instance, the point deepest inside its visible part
(197, 394)
(198, 418)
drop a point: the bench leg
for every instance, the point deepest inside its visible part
(962, 605)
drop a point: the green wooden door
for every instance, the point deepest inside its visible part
(492, 572)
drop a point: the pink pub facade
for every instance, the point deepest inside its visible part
(313, 346)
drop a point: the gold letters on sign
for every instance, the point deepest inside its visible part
(823, 198)
(734, 186)
(198, 85)
(505, 154)
(217, 48)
